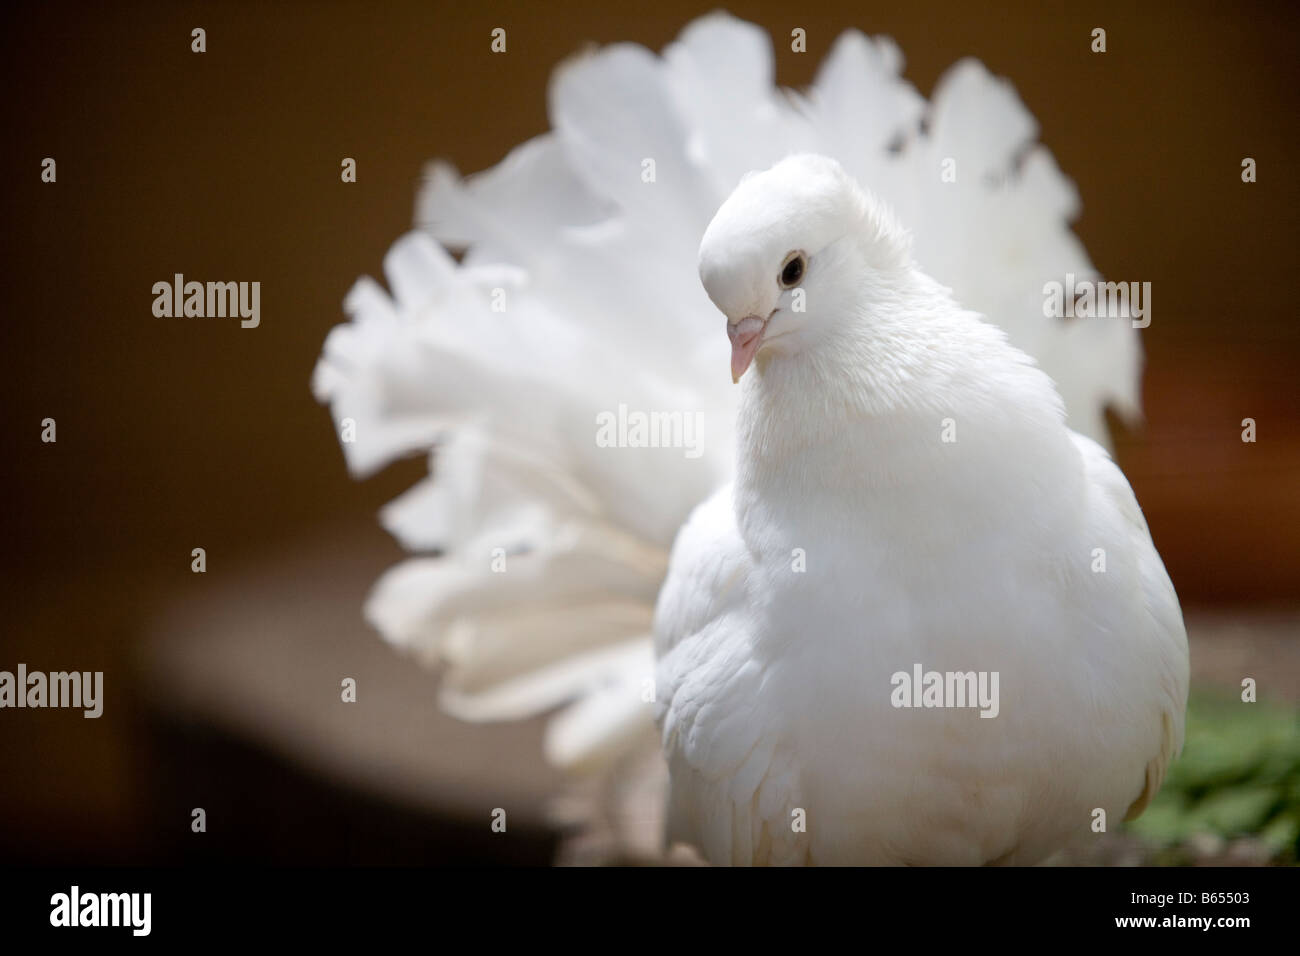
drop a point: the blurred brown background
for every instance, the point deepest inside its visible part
(176, 433)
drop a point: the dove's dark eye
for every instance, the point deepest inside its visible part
(792, 271)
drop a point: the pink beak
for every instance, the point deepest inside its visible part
(746, 336)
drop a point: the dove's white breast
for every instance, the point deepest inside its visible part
(774, 682)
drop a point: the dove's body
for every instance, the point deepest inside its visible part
(907, 493)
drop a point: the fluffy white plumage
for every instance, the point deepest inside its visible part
(603, 307)
(857, 543)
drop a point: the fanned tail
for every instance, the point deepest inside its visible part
(521, 370)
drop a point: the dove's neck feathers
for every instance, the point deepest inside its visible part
(903, 391)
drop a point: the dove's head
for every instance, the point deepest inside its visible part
(785, 257)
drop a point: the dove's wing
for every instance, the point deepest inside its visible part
(707, 573)
(733, 784)
(1159, 643)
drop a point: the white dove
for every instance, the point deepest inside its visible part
(907, 497)
(538, 551)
